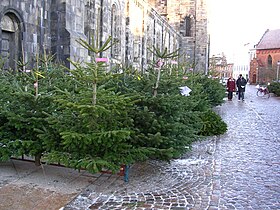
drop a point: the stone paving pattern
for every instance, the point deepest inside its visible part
(238, 170)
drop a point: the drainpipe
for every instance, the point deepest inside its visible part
(194, 48)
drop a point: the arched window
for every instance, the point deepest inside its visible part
(115, 32)
(187, 26)
(10, 43)
(269, 61)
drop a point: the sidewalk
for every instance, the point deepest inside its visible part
(24, 186)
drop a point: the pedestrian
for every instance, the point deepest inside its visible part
(241, 83)
(231, 87)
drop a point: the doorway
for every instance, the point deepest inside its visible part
(10, 44)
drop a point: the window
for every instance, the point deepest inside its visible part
(164, 2)
(187, 26)
(269, 61)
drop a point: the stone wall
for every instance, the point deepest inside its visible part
(53, 27)
(194, 44)
(33, 29)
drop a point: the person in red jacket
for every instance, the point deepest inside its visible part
(231, 87)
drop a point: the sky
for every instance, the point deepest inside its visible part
(235, 26)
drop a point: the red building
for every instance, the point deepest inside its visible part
(263, 68)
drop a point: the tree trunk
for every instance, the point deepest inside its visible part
(38, 159)
(157, 83)
(94, 92)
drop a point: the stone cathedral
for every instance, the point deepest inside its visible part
(29, 28)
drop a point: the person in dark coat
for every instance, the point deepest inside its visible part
(231, 87)
(241, 84)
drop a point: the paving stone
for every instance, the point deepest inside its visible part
(237, 170)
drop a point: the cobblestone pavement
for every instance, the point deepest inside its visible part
(238, 170)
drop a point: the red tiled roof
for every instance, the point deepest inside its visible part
(270, 40)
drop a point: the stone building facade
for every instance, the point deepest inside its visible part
(189, 18)
(220, 68)
(29, 28)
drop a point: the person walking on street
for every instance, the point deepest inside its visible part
(231, 87)
(241, 83)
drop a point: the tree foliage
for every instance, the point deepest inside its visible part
(25, 98)
(274, 87)
(91, 118)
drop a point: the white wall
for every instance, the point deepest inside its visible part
(240, 69)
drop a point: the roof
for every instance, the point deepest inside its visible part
(270, 40)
